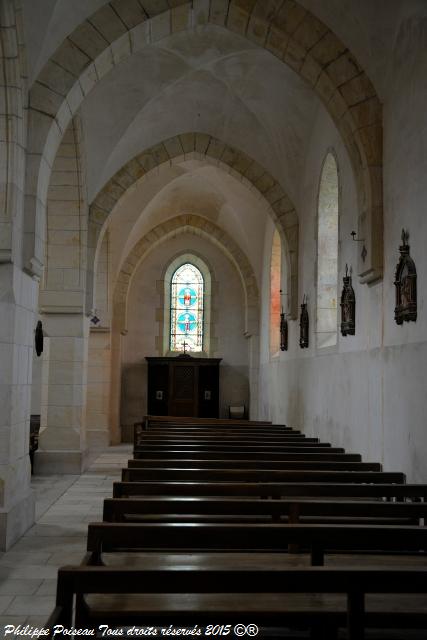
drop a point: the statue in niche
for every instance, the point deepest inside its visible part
(283, 328)
(406, 284)
(304, 324)
(348, 305)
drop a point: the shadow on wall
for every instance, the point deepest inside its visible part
(133, 398)
(233, 388)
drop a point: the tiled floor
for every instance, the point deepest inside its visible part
(64, 506)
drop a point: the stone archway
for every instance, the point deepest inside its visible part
(199, 226)
(203, 147)
(287, 30)
(159, 234)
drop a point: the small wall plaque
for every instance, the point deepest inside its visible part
(207, 394)
(348, 306)
(406, 284)
(304, 325)
(159, 395)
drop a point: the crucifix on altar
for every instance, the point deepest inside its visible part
(185, 345)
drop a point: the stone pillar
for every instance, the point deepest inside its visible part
(98, 389)
(18, 293)
(62, 441)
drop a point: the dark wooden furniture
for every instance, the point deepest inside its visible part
(272, 489)
(227, 594)
(291, 510)
(183, 386)
(200, 463)
(255, 475)
(107, 537)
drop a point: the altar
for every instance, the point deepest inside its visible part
(183, 386)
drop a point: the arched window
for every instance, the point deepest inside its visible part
(275, 285)
(187, 309)
(327, 255)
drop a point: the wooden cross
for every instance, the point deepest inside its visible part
(185, 345)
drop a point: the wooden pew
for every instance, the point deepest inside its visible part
(226, 595)
(266, 490)
(320, 539)
(153, 421)
(254, 475)
(302, 444)
(301, 454)
(266, 454)
(307, 463)
(292, 510)
(226, 440)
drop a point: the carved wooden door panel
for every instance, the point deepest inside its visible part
(183, 390)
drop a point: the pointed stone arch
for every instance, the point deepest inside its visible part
(285, 28)
(202, 147)
(199, 226)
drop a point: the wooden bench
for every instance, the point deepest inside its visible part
(266, 454)
(319, 539)
(303, 510)
(254, 475)
(243, 595)
(265, 490)
(152, 421)
(226, 440)
(307, 463)
(304, 454)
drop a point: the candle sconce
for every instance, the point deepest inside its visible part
(364, 251)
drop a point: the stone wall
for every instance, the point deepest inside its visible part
(145, 320)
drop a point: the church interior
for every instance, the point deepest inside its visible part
(211, 256)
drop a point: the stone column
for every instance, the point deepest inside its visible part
(17, 300)
(62, 441)
(98, 389)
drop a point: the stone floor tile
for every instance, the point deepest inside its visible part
(5, 603)
(15, 558)
(30, 606)
(20, 587)
(47, 587)
(67, 557)
(28, 571)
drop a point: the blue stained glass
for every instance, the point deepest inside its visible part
(186, 319)
(186, 322)
(187, 297)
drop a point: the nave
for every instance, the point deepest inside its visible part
(309, 542)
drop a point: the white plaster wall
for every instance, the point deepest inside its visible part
(368, 394)
(143, 326)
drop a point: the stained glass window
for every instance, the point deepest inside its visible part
(187, 293)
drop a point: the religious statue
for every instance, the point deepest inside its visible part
(304, 325)
(348, 305)
(406, 284)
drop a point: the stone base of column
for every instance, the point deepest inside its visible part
(97, 439)
(60, 462)
(15, 522)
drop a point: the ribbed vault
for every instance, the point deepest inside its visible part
(285, 28)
